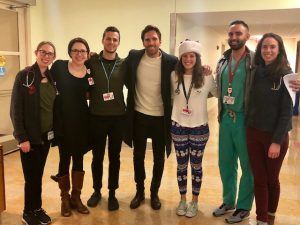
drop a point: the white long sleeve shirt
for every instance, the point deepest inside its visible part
(197, 102)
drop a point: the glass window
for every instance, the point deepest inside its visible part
(9, 31)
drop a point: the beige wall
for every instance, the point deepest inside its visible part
(65, 19)
(208, 38)
(61, 20)
(233, 5)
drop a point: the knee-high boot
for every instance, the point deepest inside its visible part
(77, 182)
(64, 186)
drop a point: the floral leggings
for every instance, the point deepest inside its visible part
(189, 145)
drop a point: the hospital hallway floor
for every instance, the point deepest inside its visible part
(210, 195)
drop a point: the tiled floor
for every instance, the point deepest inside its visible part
(210, 196)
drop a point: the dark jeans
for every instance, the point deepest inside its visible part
(265, 171)
(65, 161)
(104, 127)
(33, 164)
(148, 127)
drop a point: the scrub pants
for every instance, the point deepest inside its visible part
(233, 147)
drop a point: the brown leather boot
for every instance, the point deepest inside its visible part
(77, 182)
(271, 219)
(64, 186)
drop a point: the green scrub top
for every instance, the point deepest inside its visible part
(238, 86)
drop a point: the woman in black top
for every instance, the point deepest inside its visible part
(71, 121)
(31, 113)
(268, 122)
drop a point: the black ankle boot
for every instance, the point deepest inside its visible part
(138, 198)
(155, 202)
(113, 203)
(94, 199)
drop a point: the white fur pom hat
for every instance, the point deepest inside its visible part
(189, 46)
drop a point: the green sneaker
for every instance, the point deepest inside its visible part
(181, 209)
(192, 209)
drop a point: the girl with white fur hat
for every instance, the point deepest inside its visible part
(190, 131)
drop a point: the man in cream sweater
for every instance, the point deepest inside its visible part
(149, 110)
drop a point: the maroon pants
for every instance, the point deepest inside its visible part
(265, 171)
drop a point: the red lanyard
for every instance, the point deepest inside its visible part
(231, 73)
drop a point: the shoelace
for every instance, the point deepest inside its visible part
(238, 211)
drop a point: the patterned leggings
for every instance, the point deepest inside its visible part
(189, 144)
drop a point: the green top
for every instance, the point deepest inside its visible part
(47, 96)
(114, 82)
(238, 86)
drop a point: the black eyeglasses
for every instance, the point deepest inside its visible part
(77, 51)
(44, 53)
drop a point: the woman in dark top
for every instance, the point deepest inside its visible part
(31, 113)
(71, 121)
(268, 122)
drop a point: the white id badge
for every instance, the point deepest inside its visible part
(91, 81)
(186, 111)
(228, 100)
(108, 96)
(50, 135)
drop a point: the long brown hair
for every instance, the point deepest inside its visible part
(280, 64)
(197, 74)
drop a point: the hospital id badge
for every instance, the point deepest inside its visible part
(186, 111)
(50, 135)
(229, 100)
(108, 96)
(91, 81)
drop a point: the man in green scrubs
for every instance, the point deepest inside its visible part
(233, 75)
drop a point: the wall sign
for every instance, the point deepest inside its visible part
(2, 65)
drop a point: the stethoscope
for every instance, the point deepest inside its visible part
(29, 85)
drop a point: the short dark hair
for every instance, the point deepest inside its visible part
(241, 22)
(111, 29)
(80, 40)
(150, 28)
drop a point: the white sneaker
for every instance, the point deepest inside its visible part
(223, 209)
(261, 223)
(181, 209)
(192, 209)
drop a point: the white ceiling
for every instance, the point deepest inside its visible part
(285, 22)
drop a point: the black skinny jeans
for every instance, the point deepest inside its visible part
(146, 126)
(33, 164)
(104, 127)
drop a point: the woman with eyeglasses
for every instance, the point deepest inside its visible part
(71, 123)
(31, 113)
(269, 119)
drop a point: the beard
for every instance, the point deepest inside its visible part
(239, 44)
(152, 51)
(110, 51)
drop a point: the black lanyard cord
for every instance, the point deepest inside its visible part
(187, 95)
